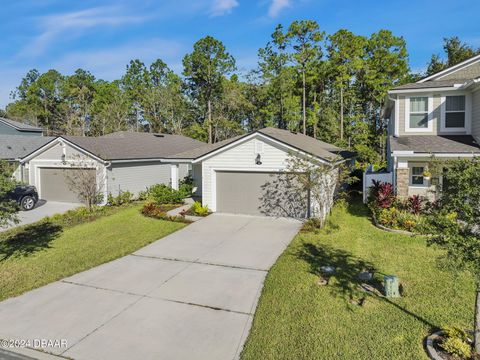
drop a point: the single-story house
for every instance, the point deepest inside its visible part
(122, 161)
(244, 174)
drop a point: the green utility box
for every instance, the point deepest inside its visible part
(391, 286)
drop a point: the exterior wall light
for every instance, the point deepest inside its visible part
(258, 160)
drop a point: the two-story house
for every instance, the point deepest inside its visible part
(437, 116)
(17, 140)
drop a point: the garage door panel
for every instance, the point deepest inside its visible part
(260, 193)
(54, 185)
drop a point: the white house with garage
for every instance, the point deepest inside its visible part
(243, 174)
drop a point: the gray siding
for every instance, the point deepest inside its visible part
(197, 178)
(470, 72)
(436, 113)
(476, 115)
(136, 176)
(8, 130)
(182, 171)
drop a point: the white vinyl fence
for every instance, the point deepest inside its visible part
(370, 175)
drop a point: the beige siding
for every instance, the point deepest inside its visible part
(470, 72)
(240, 157)
(136, 176)
(476, 115)
(55, 153)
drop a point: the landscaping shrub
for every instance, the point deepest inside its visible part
(456, 343)
(124, 197)
(186, 186)
(77, 216)
(382, 194)
(415, 204)
(163, 194)
(153, 210)
(312, 225)
(198, 210)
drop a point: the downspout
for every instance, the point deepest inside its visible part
(106, 166)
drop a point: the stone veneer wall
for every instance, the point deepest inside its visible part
(402, 182)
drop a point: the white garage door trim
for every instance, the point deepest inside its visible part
(214, 171)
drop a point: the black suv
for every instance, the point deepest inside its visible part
(25, 195)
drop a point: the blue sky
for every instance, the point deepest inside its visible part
(103, 36)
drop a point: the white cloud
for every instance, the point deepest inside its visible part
(110, 63)
(73, 24)
(276, 6)
(222, 7)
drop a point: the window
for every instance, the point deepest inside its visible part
(418, 113)
(417, 175)
(455, 111)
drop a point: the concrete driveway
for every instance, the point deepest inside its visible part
(191, 295)
(42, 208)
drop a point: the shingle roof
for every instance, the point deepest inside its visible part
(431, 84)
(20, 126)
(132, 145)
(299, 141)
(462, 144)
(13, 147)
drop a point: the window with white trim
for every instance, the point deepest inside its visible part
(417, 175)
(418, 118)
(455, 111)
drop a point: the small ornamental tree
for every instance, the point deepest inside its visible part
(455, 224)
(8, 207)
(323, 181)
(86, 182)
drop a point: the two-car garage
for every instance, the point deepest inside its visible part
(259, 193)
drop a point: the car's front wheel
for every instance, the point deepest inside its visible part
(28, 203)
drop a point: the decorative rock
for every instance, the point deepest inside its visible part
(322, 281)
(365, 276)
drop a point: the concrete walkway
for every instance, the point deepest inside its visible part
(190, 295)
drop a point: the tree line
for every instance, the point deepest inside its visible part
(331, 87)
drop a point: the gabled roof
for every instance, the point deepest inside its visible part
(297, 141)
(126, 145)
(433, 84)
(451, 69)
(20, 126)
(14, 147)
(429, 144)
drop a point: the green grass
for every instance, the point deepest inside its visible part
(298, 319)
(44, 252)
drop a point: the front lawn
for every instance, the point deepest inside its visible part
(44, 252)
(298, 319)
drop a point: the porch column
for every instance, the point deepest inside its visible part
(402, 178)
(174, 176)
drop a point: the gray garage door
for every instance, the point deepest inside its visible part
(54, 185)
(260, 193)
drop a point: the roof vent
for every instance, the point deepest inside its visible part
(158, 135)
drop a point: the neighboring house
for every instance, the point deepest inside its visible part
(437, 116)
(241, 174)
(122, 161)
(15, 147)
(10, 127)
